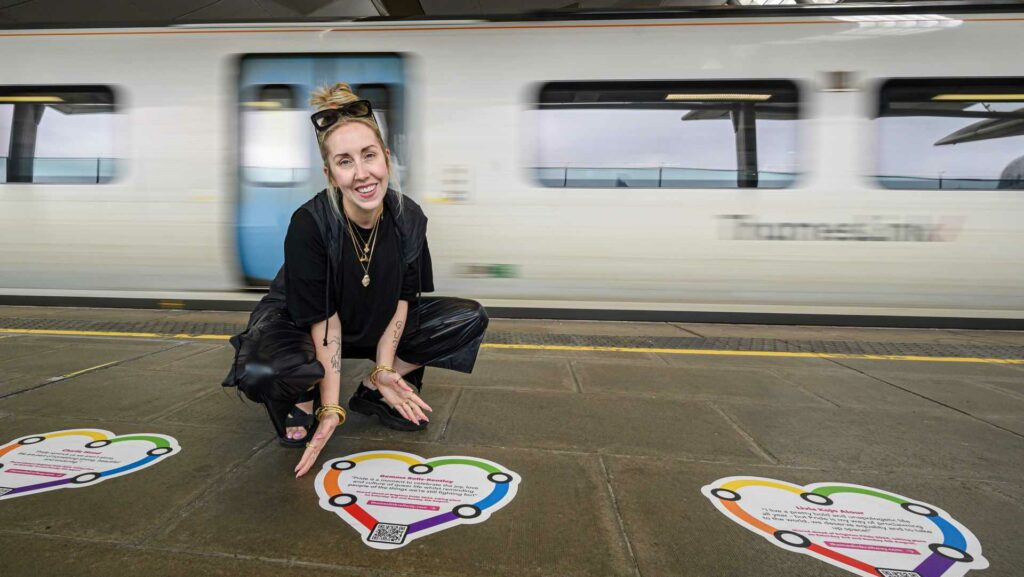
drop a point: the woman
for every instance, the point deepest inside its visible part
(356, 261)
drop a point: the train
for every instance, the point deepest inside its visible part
(821, 165)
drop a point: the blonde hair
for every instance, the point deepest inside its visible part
(336, 96)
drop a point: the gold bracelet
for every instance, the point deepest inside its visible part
(380, 369)
(336, 409)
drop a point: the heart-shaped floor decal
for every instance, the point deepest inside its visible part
(863, 530)
(392, 498)
(76, 458)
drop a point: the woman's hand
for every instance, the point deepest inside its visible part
(323, 433)
(400, 396)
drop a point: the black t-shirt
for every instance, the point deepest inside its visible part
(364, 311)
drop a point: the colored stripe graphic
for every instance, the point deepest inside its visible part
(431, 522)
(828, 491)
(39, 486)
(333, 478)
(160, 443)
(90, 434)
(130, 466)
(950, 535)
(361, 515)
(395, 456)
(736, 510)
(934, 566)
(740, 483)
(499, 492)
(843, 559)
(484, 466)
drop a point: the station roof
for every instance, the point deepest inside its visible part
(76, 13)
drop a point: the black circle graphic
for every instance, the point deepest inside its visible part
(499, 478)
(85, 478)
(31, 440)
(726, 494)
(342, 465)
(96, 444)
(342, 500)
(950, 552)
(158, 451)
(801, 541)
(816, 499)
(919, 509)
(467, 511)
(421, 469)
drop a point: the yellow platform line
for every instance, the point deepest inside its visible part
(571, 348)
(755, 353)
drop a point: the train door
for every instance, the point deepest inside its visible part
(279, 162)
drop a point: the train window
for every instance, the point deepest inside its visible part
(57, 135)
(666, 134)
(951, 134)
(275, 133)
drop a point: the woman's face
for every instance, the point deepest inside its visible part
(357, 166)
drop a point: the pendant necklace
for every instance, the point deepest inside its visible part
(364, 253)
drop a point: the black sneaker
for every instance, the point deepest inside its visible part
(370, 402)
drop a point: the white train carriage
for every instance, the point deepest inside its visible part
(820, 163)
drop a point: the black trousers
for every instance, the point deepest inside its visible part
(442, 332)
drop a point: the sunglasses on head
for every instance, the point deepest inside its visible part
(327, 118)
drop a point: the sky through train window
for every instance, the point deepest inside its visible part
(275, 133)
(666, 134)
(57, 135)
(951, 134)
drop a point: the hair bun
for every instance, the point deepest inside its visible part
(333, 96)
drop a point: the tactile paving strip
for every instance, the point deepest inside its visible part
(180, 328)
(159, 327)
(761, 345)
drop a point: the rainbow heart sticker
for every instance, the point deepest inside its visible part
(392, 498)
(865, 531)
(76, 458)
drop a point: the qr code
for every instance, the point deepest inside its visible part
(5, 490)
(385, 533)
(897, 573)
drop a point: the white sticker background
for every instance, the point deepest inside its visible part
(76, 458)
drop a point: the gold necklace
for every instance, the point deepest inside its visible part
(368, 245)
(355, 232)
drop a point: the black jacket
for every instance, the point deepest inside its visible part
(410, 222)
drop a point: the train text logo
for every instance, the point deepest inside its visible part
(863, 228)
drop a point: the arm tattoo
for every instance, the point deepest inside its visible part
(336, 355)
(398, 335)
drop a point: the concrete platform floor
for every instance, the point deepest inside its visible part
(612, 447)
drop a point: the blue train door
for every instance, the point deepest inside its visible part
(279, 163)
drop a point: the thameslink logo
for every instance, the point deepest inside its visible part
(864, 229)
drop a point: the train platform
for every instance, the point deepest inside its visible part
(637, 450)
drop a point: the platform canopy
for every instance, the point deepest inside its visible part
(65, 13)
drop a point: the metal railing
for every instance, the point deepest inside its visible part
(41, 170)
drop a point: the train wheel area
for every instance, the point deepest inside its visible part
(614, 435)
